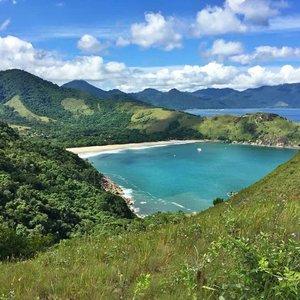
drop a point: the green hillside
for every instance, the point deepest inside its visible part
(48, 194)
(246, 248)
(69, 117)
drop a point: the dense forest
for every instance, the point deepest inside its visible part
(46, 191)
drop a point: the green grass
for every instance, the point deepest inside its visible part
(236, 250)
(77, 107)
(152, 119)
(20, 108)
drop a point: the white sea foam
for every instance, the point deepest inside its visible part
(128, 193)
(177, 204)
(93, 154)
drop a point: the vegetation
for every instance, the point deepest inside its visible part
(218, 201)
(284, 95)
(48, 192)
(68, 117)
(244, 248)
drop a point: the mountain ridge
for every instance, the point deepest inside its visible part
(283, 95)
(68, 117)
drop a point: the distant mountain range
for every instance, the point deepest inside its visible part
(285, 95)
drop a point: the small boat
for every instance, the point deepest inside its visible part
(199, 149)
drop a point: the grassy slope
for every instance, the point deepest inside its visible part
(76, 106)
(220, 251)
(18, 106)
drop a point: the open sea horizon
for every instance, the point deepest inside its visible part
(292, 114)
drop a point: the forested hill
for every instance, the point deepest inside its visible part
(48, 194)
(85, 87)
(68, 117)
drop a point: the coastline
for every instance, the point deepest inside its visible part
(110, 186)
(85, 152)
(89, 151)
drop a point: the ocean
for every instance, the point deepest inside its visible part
(292, 114)
(187, 177)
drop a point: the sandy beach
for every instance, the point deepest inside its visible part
(95, 150)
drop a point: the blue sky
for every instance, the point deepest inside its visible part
(163, 44)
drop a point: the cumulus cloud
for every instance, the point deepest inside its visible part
(90, 44)
(157, 31)
(4, 24)
(256, 11)
(267, 53)
(217, 20)
(221, 49)
(17, 53)
(236, 16)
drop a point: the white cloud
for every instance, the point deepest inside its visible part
(4, 24)
(267, 53)
(236, 16)
(287, 23)
(221, 49)
(90, 44)
(17, 53)
(217, 20)
(122, 42)
(256, 11)
(156, 32)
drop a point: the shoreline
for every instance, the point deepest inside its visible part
(90, 151)
(108, 185)
(85, 152)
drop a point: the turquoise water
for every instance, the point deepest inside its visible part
(292, 114)
(179, 177)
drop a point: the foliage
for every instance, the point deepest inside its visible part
(142, 285)
(218, 201)
(68, 117)
(45, 190)
(232, 251)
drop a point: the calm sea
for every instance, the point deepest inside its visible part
(187, 177)
(292, 114)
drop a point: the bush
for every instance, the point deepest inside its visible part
(218, 201)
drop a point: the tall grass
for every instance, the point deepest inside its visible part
(246, 248)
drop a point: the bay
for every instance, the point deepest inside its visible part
(187, 177)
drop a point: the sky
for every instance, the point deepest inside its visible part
(136, 44)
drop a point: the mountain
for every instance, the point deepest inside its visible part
(245, 247)
(285, 95)
(85, 87)
(173, 99)
(68, 117)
